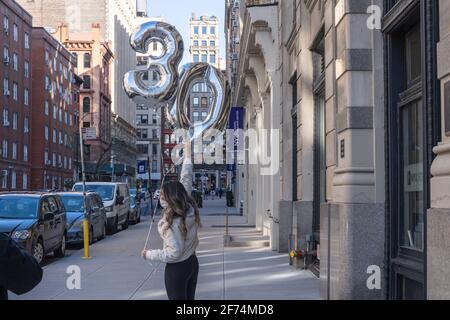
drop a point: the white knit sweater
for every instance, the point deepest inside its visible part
(176, 247)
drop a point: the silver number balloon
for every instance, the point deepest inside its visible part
(165, 65)
(174, 90)
(217, 118)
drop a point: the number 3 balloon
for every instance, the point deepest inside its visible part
(172, 89)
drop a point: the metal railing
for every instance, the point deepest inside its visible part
(255, 3)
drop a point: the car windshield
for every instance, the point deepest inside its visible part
(73, 203)
(106, 192)
(132, 201)
(18, 207)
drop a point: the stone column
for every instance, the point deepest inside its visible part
(438, 219)
(352, 222)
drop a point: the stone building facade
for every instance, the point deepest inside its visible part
(359, 95)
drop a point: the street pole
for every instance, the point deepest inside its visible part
(112, 167)
(85, 221)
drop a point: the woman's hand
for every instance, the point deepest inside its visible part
(144, 254)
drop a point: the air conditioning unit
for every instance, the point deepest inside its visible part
(48, 87)
(48, 163)
(237, 40)
(4, 173)
(7, 93)
(6, 60)
(6, 30)
(6, 123)
(60, 164)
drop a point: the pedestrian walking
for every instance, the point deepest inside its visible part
(179, 230)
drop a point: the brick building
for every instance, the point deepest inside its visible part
(93, 58)
(54, 126)
(15, 97)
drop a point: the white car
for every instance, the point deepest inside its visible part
(116, 198)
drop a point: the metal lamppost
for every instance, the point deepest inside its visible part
(85, 221)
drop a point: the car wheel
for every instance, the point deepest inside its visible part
(61, 251)
(116, 225)
(38, 251)
(126, 223)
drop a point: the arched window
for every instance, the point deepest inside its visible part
(86, 105)
(87, 60)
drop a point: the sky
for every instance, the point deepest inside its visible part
(178, 13)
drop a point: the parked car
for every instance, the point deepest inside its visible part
(116, 198)
(135, 210)
(37, 221)
(96, 214)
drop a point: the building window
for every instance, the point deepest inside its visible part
(26, 125)
(26, 97)
(87, 60)
(195, 115)
(213, 30)
(61, 141)
(55, 112)
(46, 133)
(5, 87)
(5, 55)
(205, 58)
(15, 62)
(54, 136)
(154, 134)
(142, 133)
(60, 115)
(204, 115)
(195, 43)
(195, 29)
(154, 119)
(27, 69)
(212, 43)
(25, 153)
(15, 33)
(212, 59)
(86, 105)
(5, 149)
(14, 151)
(47, 58)
(15, 119)
(204, 43)
(5, 117)
(54, 159)
(13, 180)
(6, 24)
(196, 102)
(24, 181)
(15, 91)
(204, 102)
(154, 149)
(204, 30)
(142, 119)
(86, 82)
(196, 57)
(27, 41)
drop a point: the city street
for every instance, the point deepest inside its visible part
(116, 270)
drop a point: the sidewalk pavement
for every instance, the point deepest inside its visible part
(217, 207)
(117, 272)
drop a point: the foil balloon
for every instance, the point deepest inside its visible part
(217, 118)
(164, 89)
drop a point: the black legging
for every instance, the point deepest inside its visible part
(181, 279)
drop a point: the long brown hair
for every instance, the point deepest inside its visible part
(179, 204)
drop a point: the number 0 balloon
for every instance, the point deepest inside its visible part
(171, 89)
